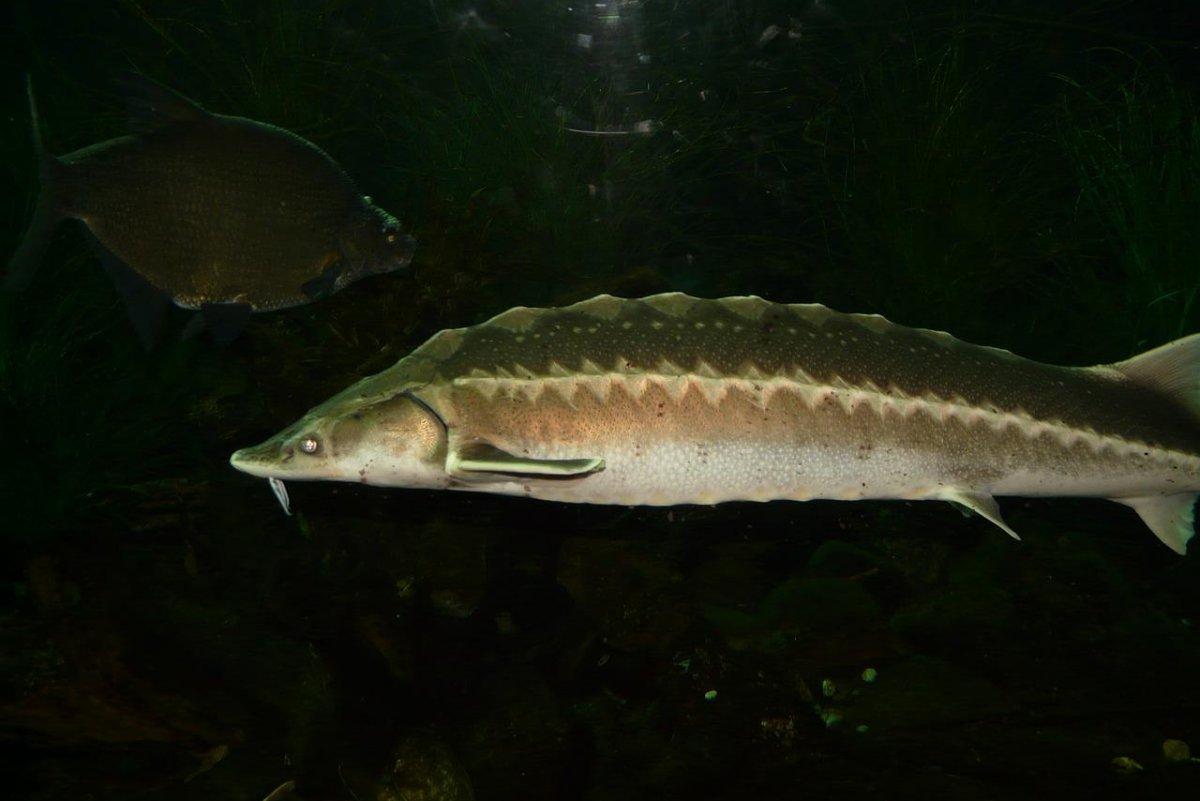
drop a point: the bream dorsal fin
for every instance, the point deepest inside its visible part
(482, 457)
(1170, 517)
(150, 105)
(1173, 369)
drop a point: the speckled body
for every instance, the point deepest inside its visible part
(696, 401)
(216, 210)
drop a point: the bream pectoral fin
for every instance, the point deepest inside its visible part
(481, 457)
(324, 284)
(982, 504)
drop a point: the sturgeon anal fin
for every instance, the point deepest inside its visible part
(480, 457)
(151, 105)
(225, 321)
(324, 284)
(982, 504)
(1170, 517)
(147, 304)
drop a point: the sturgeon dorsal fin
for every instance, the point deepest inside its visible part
(982, 504)
(481, 457)
(1173, 369)
(1170, 517)
(151, 105)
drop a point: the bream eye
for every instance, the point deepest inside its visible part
(391, 238)
(309, 444)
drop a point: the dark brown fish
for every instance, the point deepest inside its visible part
(221, 214)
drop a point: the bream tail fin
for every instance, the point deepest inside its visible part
(46, 215)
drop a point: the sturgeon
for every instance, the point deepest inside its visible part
(672, 399)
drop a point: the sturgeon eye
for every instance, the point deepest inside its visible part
(310, 445)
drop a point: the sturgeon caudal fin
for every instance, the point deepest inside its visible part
(1173, 369)
(1170, 517)
(46, 215)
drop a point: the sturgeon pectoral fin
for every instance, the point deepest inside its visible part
(982, 504)
(1170, 517)
(480, 457)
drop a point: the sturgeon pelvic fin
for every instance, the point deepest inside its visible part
(481, 457)
(1170, 517)
(982, 504)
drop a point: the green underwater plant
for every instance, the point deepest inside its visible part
(932, 199)
(92, 423)
(1135, 152)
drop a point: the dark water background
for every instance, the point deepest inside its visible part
(1024, 174)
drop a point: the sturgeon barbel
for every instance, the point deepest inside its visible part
(671, 399)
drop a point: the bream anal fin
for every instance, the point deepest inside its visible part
(982, 504)
(225, 321)
(1170, 517)
(146, 304)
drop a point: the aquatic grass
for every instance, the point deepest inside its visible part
(1135, 152)
(507, 196)
(436, 114)
(936, 194)
(91, 424)
(85, 414)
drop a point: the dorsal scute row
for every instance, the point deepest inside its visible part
(749, 337)
(607, 308)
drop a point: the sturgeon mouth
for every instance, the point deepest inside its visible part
(260, 461)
